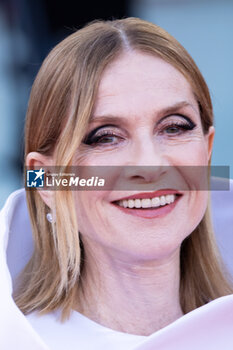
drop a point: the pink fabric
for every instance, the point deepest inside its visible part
(209, 327)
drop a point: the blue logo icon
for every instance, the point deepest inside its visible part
(35, 178)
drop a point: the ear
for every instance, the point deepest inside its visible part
(35, 159)
(210, 140)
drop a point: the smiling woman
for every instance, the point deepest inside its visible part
(129, 262)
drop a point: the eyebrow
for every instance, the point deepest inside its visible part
(164, 111)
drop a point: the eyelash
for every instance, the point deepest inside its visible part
(104, 134)
(183, 127)
(91, 139)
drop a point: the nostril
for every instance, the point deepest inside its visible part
(136, 177)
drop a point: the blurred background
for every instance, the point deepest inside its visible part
(29, 29)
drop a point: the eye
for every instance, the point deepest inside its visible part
(177, 127)
(172, 129)
(107, 137)
(100, 136)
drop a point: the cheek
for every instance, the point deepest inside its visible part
(89, 211)
(192, 153)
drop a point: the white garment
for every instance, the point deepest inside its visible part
(208, 327)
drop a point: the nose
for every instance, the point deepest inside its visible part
(148, 163)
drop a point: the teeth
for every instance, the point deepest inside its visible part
(162, 200)
(155, 202)
(168, 199)
(125, 203)
(147, 202)
(130, 203)
(137, 203)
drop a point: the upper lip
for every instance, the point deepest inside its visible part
(150, 195)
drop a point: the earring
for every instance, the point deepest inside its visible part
(49, 217)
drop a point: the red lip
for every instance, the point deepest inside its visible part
(150, 195)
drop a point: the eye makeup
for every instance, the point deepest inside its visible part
(99, 133)
(175, 125)
(172, 125)
(179, 117)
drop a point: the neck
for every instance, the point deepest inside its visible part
(137, 297)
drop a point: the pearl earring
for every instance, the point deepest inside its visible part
(49, 217)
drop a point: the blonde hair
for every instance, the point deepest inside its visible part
(60, 106)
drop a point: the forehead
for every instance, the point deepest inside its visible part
(138, 82)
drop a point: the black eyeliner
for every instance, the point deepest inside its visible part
(191, 123)
(183, 126)
(88, 139)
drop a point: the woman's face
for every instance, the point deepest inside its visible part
(145, 115)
